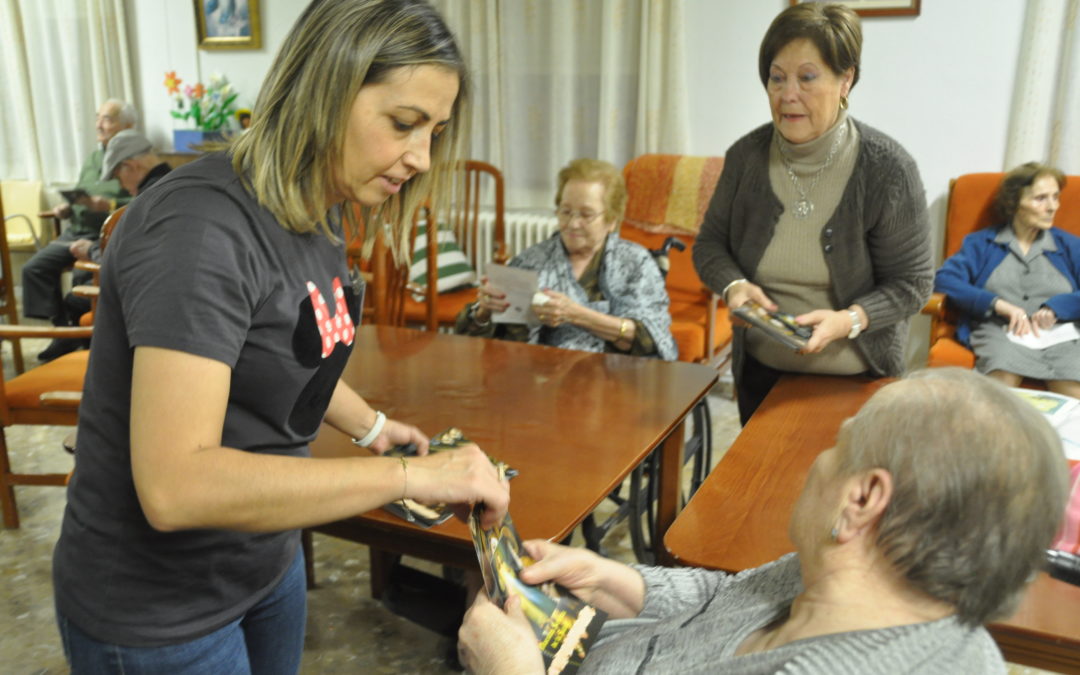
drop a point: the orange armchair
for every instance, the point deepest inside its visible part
(668, 195)
(969, 208)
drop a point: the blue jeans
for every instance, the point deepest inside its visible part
(269, 638)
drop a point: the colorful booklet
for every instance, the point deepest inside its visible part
(431, 515)
(777, 325)
(565, 626)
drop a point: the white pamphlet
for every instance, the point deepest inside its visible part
(1063, 413)
(519, 285)
(1047, 337)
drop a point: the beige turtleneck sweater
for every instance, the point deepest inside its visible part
(793, 272)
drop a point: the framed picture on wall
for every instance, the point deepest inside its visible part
(877, 7)
(228, 24)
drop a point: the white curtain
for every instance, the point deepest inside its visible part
(559, 79)
(1044, 123)
(62, 59)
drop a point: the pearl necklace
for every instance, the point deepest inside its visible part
(803, 207)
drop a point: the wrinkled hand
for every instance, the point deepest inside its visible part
(1044, 318)
(490, 300)
(398, 433)
(1019, 322)
(574, 568)
(60, 211)
(461, 478)
(828, 325)
(740, 294)
(494, 642)
(558, 309)
(80, 249)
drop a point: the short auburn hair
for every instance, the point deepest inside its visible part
(834, 29)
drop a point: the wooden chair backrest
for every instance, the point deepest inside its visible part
(109, 225)
(8, 308)
(387, 279)
(475, 185)
(971, 198)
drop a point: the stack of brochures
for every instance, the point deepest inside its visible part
(564, 625)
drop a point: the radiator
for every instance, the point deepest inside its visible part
(523, 229)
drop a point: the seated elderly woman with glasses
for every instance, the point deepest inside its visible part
(598, 292)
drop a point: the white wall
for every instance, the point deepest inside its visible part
(163, 38)
(939, 83)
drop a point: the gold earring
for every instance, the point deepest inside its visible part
(843, 103)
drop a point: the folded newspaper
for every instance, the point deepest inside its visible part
(565, 626)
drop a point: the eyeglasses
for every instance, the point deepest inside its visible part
(568, 216)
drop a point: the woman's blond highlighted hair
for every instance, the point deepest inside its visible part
(289, 155)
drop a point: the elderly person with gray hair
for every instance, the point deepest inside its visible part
(925, 521)
(41, 274)
(130, 159)
(818, 215)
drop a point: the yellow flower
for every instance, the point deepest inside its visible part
(172, 82)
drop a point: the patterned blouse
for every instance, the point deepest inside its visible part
(621, 280)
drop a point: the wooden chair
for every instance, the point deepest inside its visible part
(668, 195)
(48, 394)
(8, 307)
(969, 208)
(386, 279)
(477, 185)
(91, 290)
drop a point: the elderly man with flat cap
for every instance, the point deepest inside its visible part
(41, 274)
(130, 159)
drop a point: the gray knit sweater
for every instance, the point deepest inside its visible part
(876, 244)
(694, 619)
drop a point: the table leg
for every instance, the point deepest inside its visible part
(667, 501)
(382, 565)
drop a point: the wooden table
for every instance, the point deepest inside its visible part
(739, 517)
(574, 424)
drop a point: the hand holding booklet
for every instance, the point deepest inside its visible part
(519, 285)
(565, 626)
(429, 515)
(777, 325)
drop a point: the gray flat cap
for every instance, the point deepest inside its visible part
(124, 145)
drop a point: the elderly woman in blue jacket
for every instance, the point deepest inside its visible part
(1020, 277)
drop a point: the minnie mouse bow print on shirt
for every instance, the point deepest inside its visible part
(332, 328)
(322, 340)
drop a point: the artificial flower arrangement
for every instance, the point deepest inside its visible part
(208, 108)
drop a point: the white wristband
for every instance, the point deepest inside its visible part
(723, 293)
(373, 433)
(856, 325)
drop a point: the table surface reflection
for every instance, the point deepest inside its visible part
(573, 423)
